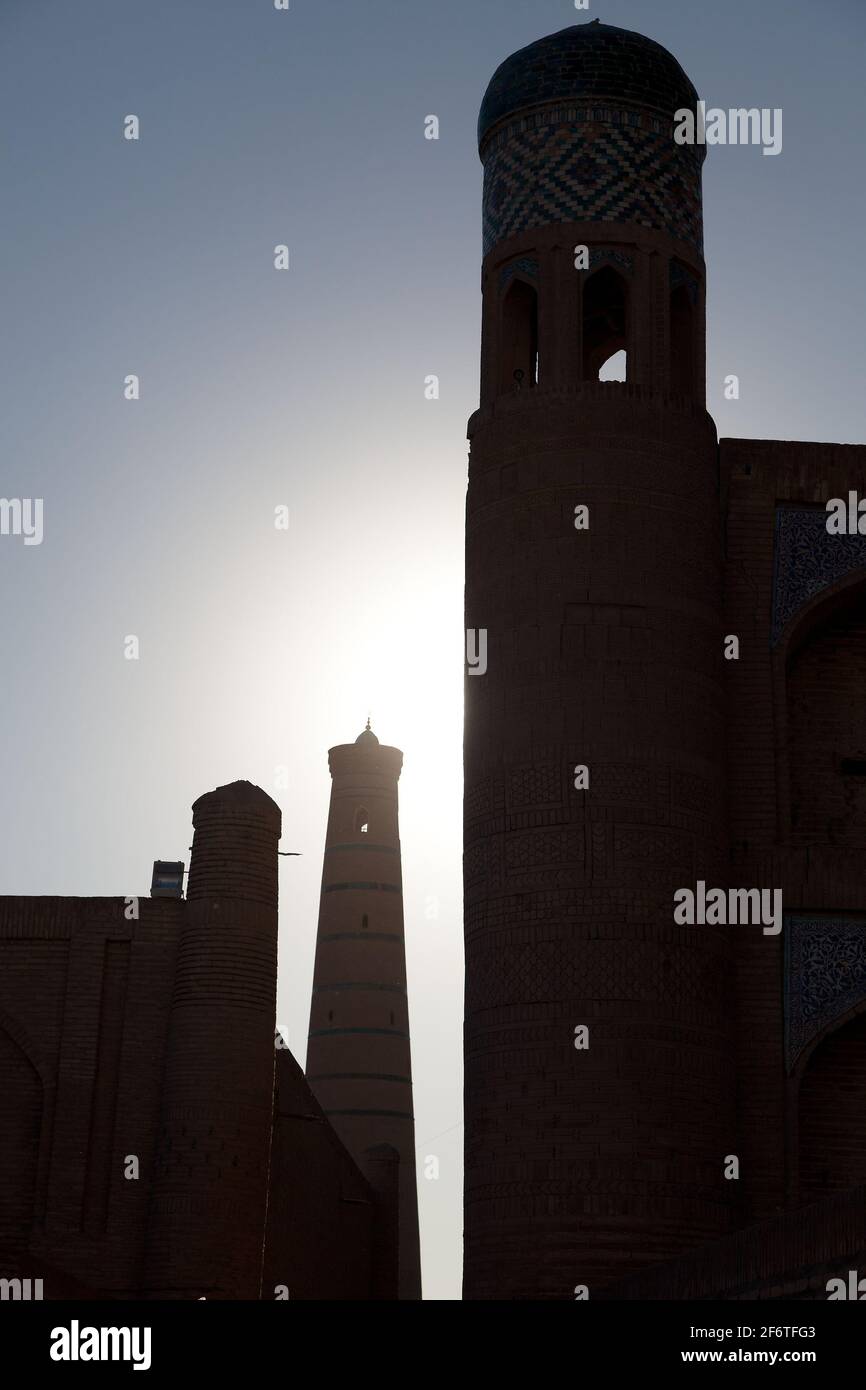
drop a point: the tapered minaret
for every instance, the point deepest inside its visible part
(358, 1057)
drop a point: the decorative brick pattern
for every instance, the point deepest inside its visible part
(544, 847)
(541, 972)
(638, 844)
(612, 782)
(583, 171)
(476, 800)
(535, 786)
(475, 860)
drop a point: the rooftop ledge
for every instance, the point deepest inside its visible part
(514, 401)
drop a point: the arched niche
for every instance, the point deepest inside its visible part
(831, 1110)
(821, 668)
(605, 319)
(682, 340)
(518, 338)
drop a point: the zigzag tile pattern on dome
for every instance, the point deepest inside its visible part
(587, 171)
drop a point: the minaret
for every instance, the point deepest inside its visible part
(358, 1057)
(209, 1183)
(594, 565)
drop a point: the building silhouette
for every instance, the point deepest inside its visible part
(158, 1138)
(358, 1055)
(619, 748)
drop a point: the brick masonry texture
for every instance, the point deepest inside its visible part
(359, 1062)
(155, 1039)
(575, 164)
(605, 648)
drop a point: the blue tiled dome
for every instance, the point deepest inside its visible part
(587, 62)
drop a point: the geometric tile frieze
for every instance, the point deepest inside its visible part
(570, 172)
(542, 847)
(562, 969)
(538, 784)
(631, 782)
(654, 845)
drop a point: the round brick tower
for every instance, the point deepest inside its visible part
(358, 1057)
(604, 651)
(209, 1193)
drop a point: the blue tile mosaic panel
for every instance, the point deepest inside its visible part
(806, 560)
(543, 172)
(825, 975)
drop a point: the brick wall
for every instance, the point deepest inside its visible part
(826, 724)
(793, 707)
(84, 1002)
(791, 1256)
(322, 1214)
(154, 1039)
(833, 1114)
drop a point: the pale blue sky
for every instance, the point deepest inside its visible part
(260, 648)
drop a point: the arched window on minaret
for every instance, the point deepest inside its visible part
(682, 337)
(605, 324)
(519, 337)
(362, 820)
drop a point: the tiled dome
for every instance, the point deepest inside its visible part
(587, 62)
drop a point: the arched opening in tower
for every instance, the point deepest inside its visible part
(615, 368)
(682, 338)
(605, 322)
(519, 339)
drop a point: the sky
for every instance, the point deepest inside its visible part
(260, 648)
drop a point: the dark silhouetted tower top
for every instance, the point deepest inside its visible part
(585, 63)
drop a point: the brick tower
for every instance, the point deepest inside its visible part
(209, 1196)
(604, 651)
(358, 1057)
